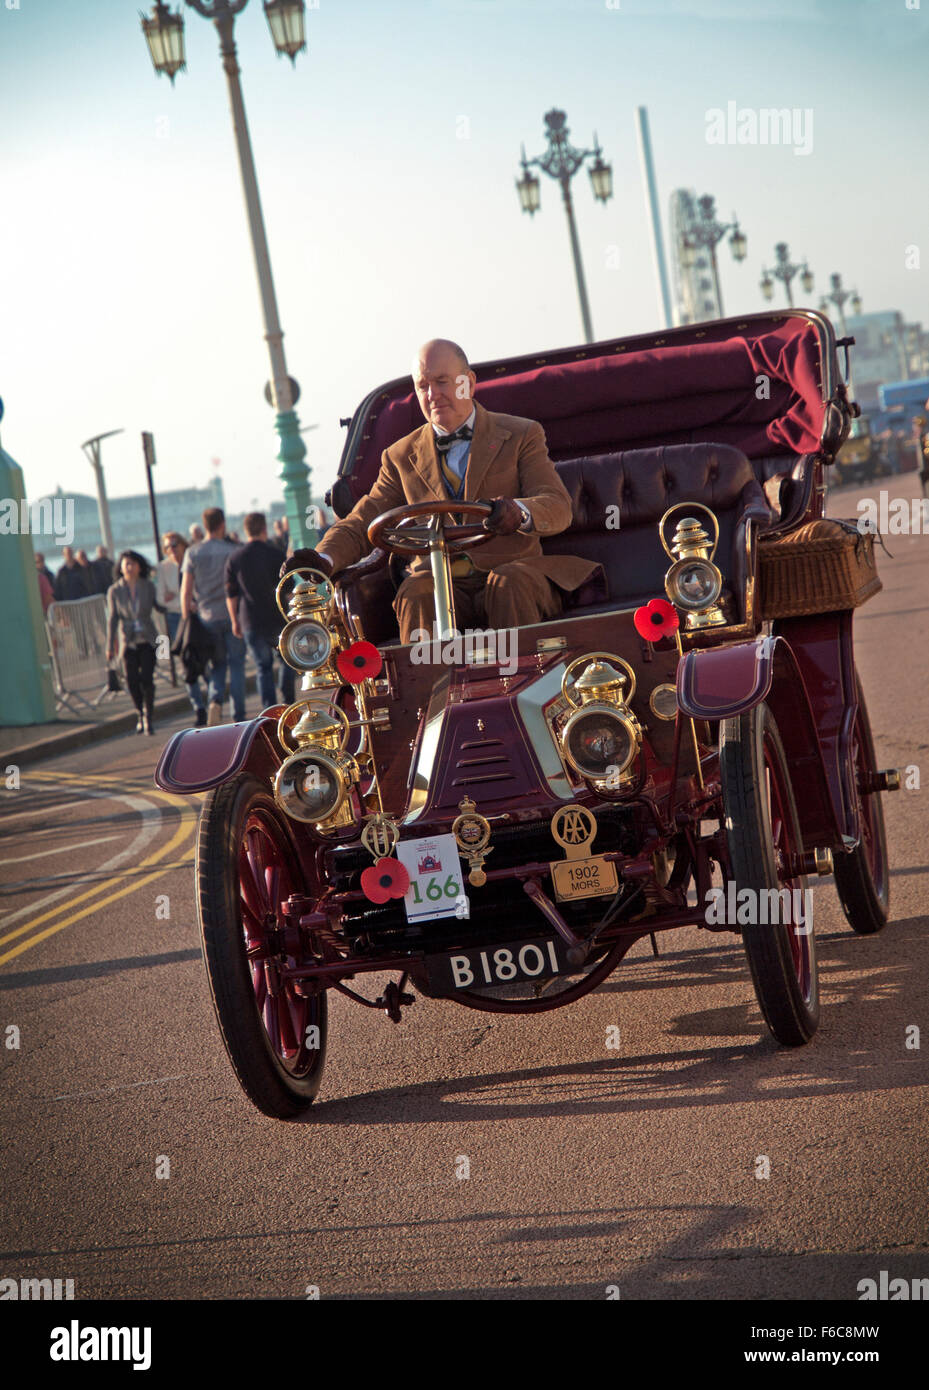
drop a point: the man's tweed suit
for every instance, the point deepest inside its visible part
(508, 458)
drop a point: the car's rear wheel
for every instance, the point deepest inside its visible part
(275, 1034)
(763, 835)
(862, 877)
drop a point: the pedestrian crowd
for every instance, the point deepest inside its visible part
(78, 577)
(217, 595)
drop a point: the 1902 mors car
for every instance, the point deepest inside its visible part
(497, 823)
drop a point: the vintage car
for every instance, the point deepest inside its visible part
(496, 818)
(857, 462)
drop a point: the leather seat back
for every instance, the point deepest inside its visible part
(618, 500)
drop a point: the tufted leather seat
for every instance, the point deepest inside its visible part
(642, 484)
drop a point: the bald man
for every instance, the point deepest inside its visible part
(467, 453)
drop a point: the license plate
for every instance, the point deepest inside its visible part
(497, 965)
(583, 878)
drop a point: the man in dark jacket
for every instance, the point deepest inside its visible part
(252, 575)
(71, 581)
(102, 567)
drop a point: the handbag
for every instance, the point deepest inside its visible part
(113, 684)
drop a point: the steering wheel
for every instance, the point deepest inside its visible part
(394, 530)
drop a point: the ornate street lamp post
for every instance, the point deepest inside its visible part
(708, 232)
(785, 271)
(561, 161)
(838, 296)
(164, 33)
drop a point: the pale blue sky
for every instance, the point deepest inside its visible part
(127, 293)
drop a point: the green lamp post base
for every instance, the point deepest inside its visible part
(295, 477)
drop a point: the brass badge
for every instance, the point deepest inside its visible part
(380, 836)
(472, 834)
(579, 875)
(574, 827)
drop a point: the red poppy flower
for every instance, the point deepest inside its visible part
(656, 620)
(385, 879)
(359, 662)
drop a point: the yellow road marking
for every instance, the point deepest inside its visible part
(77, 916)
(185, 829)
(144, 789)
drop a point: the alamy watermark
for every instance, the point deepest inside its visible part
(767, 125)
(36, 1290)
(49, 516)
(77, 1343)
(884, 1289)
(475, 646)
(744, 907)
(893, 516)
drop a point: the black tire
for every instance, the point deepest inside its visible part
(862, 877)
(240, 826)
(763, 833)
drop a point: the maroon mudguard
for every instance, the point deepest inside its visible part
(197, 759)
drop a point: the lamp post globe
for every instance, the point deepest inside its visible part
(601, 174)
(601, 177)
(738, 242)
(286, 22)
(164, 34)
(528, 188)
(806, 279)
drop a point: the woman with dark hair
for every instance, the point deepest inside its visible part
(129, 604)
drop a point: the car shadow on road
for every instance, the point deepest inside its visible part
(848, 1055)
(93, 969)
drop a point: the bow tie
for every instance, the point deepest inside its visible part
(443, 442)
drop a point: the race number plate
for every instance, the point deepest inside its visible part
(583, 878)
(435, 879)
(496, 965)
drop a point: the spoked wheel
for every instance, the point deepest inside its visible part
(763, 835)
(246, 868)
(862, 877)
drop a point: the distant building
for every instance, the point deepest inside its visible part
(131, 517)
(878, 355)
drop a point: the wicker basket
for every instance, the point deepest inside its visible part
(820, 567)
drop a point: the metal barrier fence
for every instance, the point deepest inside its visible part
(76, 631)
(77, 638)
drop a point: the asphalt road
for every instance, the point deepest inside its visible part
(589, 1167)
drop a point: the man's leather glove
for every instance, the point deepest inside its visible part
(506, 517)
(306, 560)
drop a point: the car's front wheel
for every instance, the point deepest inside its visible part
(274, 1030)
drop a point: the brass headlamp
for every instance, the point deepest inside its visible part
(602, 737)
(693, 583)
(308, 643)
(313, 784)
